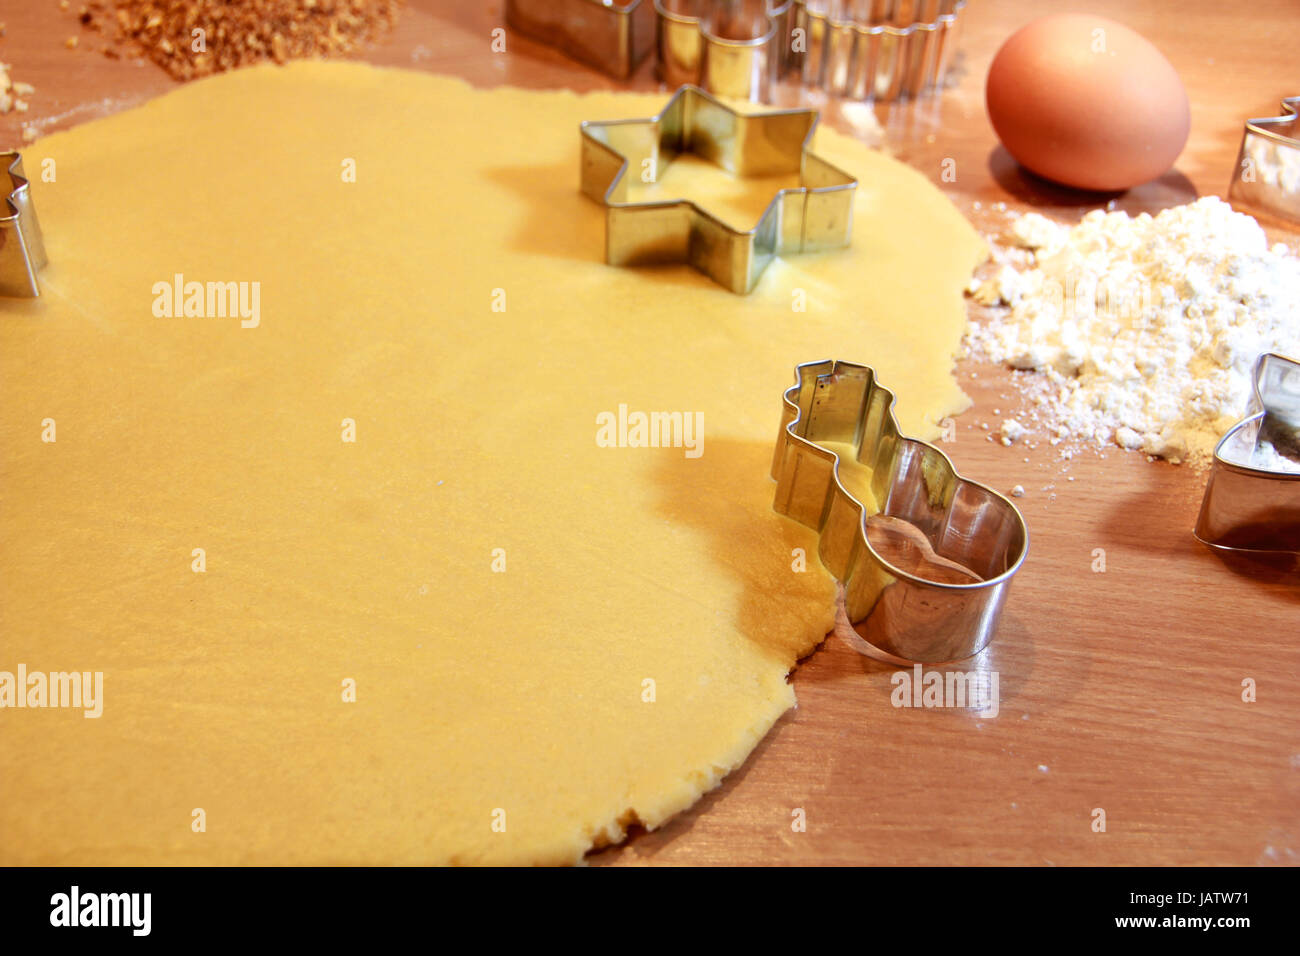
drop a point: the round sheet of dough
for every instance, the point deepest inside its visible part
(362, 583)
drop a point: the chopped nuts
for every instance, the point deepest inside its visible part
(11, 93)
(193, 38)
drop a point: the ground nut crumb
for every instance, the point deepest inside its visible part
(193, 38)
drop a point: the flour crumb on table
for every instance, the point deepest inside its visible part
(1012, 431)
(1141, 331)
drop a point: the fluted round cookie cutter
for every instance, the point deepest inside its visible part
(928, 515)
(881, 50)
(1249, 509)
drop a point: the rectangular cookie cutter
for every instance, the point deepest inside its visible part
(969, 539)
(1252, 504)
(22, 249)
(614, 36)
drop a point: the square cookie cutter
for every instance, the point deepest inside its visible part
(1267, 177)
(614, 36)
(925, 577)
(22, 249)
(815, 216)
(1252, 502)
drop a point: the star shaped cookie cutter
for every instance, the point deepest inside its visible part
(925, 576)
(22, 251)
(815, 216)
(1250, 506)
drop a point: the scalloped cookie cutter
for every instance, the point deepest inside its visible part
(22, 250)
(925, 577)
(882, 51)
(1251, 506)
(815, 216)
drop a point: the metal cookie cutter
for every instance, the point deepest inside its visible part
(815, 216)
(613, 36)
(1267, 177)
(733, 48)
(925, 576)
(1252, 499)
(22, 251)
(882, 49)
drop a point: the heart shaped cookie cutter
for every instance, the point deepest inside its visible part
(925, 574)
(1252, 497)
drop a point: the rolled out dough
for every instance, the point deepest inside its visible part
(548, 639)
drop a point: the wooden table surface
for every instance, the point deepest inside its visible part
(1120, 690)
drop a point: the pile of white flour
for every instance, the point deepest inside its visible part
(1145, 330)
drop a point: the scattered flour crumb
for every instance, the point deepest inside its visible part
(1140, 331)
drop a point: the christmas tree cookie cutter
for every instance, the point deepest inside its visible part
(22, 251)
(815, 216)
(925, 576)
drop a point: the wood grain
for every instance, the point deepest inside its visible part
(1120, 690)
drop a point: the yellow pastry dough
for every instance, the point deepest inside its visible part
(500, 588)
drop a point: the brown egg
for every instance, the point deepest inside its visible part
(1087, 102)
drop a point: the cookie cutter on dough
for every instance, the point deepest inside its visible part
(734, 48)
(970, 539)
(1267, 177)
(883, 49)
(613, 36)
(815, 216)
(1250, 508)
(22, 250)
